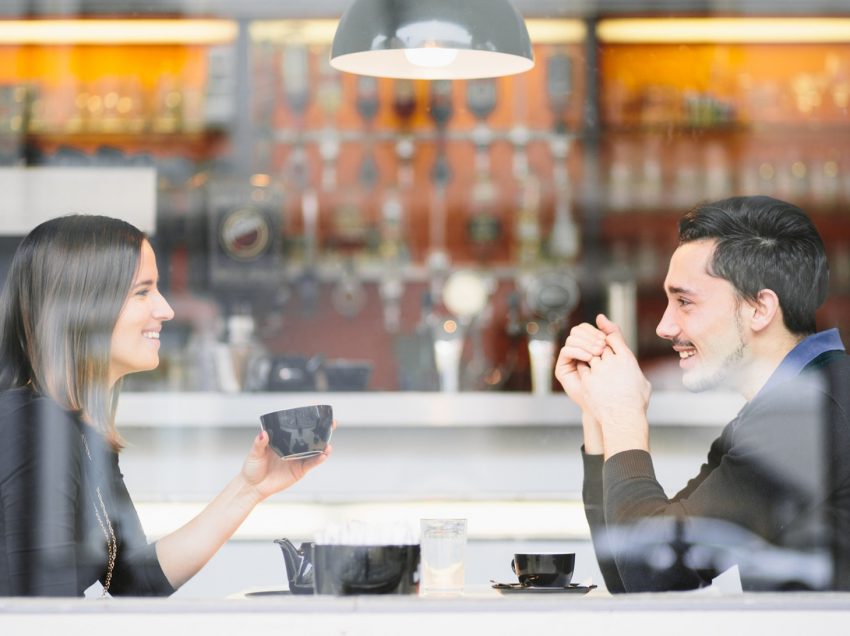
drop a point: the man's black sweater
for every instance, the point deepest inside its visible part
(773, 497)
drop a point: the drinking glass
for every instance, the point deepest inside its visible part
(542, 356)
(443, 548)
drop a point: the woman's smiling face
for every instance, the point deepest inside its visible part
(135, 337)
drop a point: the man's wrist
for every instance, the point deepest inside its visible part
(622, 445)
(626, 431)
(593, 444)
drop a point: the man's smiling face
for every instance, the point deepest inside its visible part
(703, 319)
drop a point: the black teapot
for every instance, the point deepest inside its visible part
(345, 570)
(299, 565)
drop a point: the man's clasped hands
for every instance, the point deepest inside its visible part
(601, 375)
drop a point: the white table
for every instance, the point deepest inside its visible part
(480, 611)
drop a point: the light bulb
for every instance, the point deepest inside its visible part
(430, 57)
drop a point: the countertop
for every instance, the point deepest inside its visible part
(480, 610)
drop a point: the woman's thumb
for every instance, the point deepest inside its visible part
(260, 443)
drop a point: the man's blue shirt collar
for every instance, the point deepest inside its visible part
(806, 350)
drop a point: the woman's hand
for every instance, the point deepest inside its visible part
(183, 552)
(267, 473)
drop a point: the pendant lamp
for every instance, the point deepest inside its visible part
(432, 39)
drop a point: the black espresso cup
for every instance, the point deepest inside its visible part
(300, 432)
(345, 570)
(544, 570)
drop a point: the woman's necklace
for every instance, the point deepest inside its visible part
(106, 526)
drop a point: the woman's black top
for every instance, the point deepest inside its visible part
(51, 542)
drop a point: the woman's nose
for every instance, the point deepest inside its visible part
(163, 310)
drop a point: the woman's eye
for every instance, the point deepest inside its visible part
(143, 292)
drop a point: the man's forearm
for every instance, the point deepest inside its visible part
(624, 432)
(614, 437)
(593, 444)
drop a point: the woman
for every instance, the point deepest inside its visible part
(80, 309)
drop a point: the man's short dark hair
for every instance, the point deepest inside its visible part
(765, 243)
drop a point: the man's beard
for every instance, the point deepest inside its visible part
(724, 371)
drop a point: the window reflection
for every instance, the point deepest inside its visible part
(311, 226)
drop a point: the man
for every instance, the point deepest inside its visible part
(774, 493)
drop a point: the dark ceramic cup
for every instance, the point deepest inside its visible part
(544, 570)
(300, 432)
(346, 570)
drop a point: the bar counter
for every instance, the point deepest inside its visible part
(480, 611)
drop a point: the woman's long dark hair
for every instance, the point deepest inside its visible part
(65, 289)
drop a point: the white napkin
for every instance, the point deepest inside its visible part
(727, 583)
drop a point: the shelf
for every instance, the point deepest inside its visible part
(813, 128)
(492, 520)
(187, 142)
(408, 409)
(125, 136)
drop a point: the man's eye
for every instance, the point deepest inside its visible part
(683, 302)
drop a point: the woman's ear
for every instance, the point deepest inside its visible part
(765, 309)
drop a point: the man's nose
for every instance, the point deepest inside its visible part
(667, 327)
